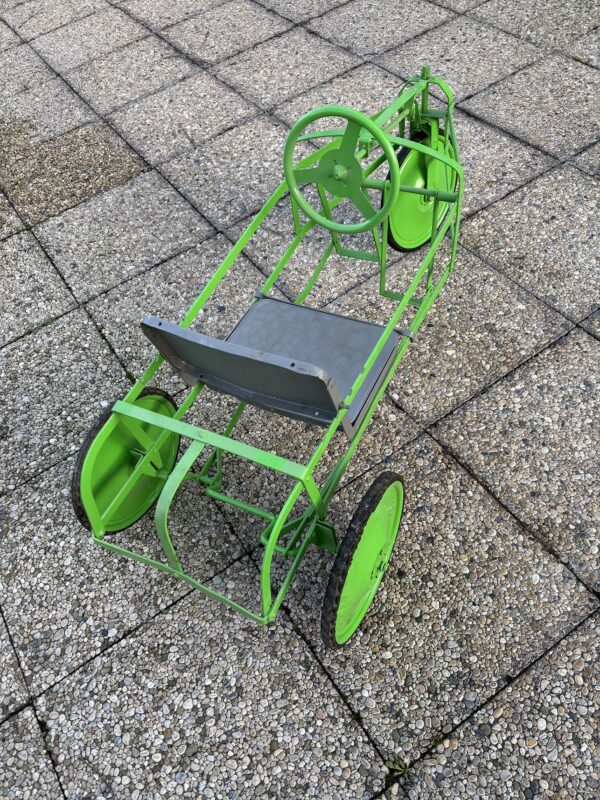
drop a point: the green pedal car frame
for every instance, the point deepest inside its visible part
(295, 360)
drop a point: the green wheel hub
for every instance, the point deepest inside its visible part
(411, 217)
(108, 457)
(363, 559)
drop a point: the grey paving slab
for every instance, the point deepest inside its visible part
(559, 82)
(531, 438)
(7, 37)
(536, 739)
(168, 291)
(130, 73)
(13, 692)
(589, 160)
(555, 254)
(88, 38)
(276, 70)
(120, 233)
(467, 601)
(53, 383)
(158, 14)
(61, 173)
(31, 291)
(586, 48)
(33, 18)
(9, 219)
(26, 767)
(227, 707)
(481, 327)
(223, 31)
(367, 27)
(232, 175)
(546, 23)
(592, 324)
(40, 113)
(169, 122)
(66, 599)
(301, 9)
(20, 69)
(466, 53)
(461, 5)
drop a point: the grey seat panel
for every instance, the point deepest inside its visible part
(291, 359)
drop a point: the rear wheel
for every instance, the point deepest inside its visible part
(114, 452)
(411, 216)
(362, 559)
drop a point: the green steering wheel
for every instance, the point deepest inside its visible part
(340, 172)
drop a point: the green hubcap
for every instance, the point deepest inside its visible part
(411, 217)
(113, 456)
(369, 562)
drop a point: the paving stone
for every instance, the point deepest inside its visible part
(298, 59)
(480, 327)
(160, 13)
(227, 707)
(531, 439)
(94, 36)
(31, 291)
(38, 114)
(26, 767)
(35, 17)
(66, 599)
(7, 37)
(13, 692)
(589, 160)
(225, 30)
(130, 73)
(592, 324)
(368, 27)
(21, 68)
(301, 9)
(53, 384)
(232, 175)
(536, 739)
(554, 254)
(460, 5)
(168, 291)
(120, 233)
(468, 55)
(59, 174)
(587, 48)
(559, 82)
(551, 23)
(167, 123)
(9, 219)
(468, 599)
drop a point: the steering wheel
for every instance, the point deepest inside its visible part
(340, 172)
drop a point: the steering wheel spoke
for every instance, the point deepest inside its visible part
(349, 141)
(307, 174)
(361, 200)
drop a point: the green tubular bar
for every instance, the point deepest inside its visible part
(286, 534)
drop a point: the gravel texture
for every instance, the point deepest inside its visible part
(32, 291)
(9, 219)
(467, 54)
(13, 692)
(91, 37)
(537, 739)
(299, 59)
(53, 176)
(209, 706)
(589, 160)
(542, 464)
(301, 9)
(368, 28)
(134, 71)
(158, 15)
(559, 82)
(7, 37)
(21, 68)
(587, 48)
(53, 385)
(468, 600)
(224, 31)
(120, 233)
(168, 122)
(555, 255)
(35, 17)
(592, 324)
(26, 768)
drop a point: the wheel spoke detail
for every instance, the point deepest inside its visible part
(349, 139)
(307, 174)
(362, 202)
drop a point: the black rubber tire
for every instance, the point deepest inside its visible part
(76, 501)
(343, 559)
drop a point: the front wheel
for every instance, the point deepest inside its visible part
(362, 559)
